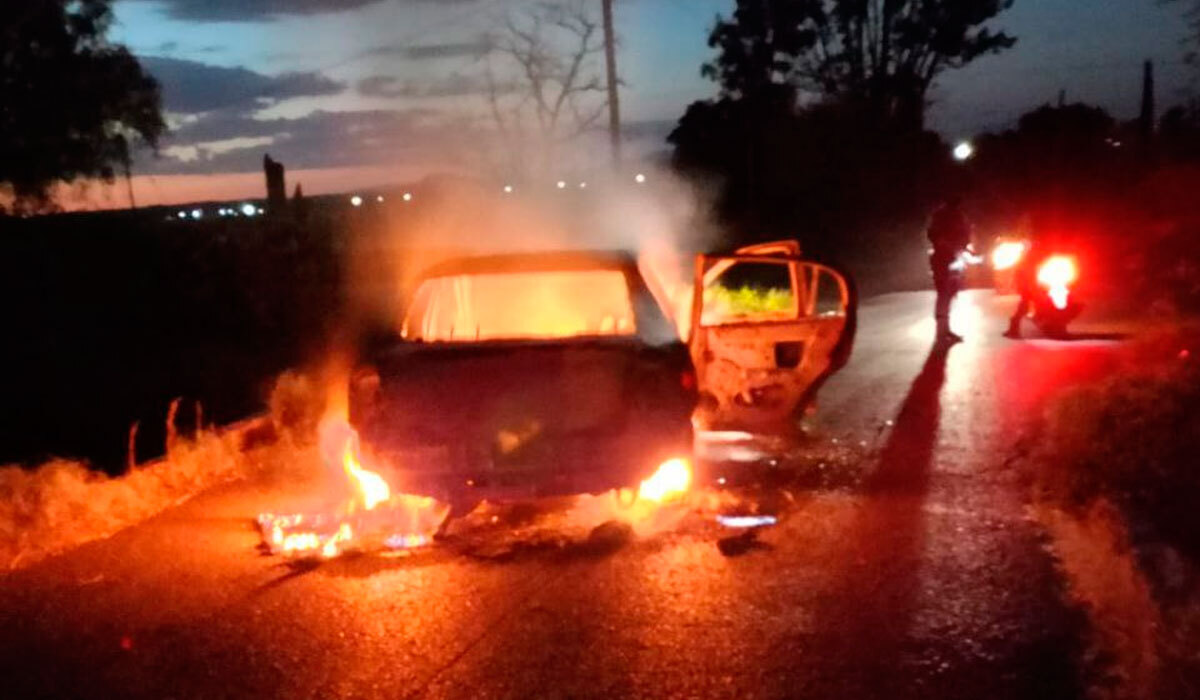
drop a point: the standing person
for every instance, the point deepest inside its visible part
(950, 234)
(1025, 282)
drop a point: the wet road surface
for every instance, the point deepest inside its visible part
(921, 577)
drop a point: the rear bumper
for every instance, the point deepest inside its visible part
(560, 468)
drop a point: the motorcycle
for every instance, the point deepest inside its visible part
(1054, 304)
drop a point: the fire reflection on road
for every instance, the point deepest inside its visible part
(883, 543)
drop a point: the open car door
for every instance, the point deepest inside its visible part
(768, 328)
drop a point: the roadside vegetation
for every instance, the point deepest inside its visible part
(1117, 482)
(748, 300)
(62, 504)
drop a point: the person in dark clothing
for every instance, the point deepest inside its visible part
(950, 234)
(1025, 282)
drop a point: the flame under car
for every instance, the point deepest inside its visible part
(521, 376)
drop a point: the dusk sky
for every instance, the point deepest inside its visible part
(353, 93)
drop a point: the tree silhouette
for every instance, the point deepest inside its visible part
(73, 103)
(883, 53)
(1058, 158)
(1192, 16)
(550, 91)
(1179, 133)
(819, 125)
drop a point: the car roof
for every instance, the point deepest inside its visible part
(554, 261)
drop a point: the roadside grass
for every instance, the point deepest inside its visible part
(1134, 440)
(1116, 483)
(62, 504)
(748, 300)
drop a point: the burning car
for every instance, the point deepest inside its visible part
(526, 375)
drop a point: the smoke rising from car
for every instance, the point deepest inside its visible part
(662, 220)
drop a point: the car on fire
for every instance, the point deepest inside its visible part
(538, 374)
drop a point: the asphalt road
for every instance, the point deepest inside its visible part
(921, 577)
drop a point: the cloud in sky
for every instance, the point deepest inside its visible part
(476, 48)
(235, 143)
(256, 10)
(454, 85)
(190, 87)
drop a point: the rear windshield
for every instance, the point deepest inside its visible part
(526, 305)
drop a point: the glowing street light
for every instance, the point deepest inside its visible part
(407, 197)
(249, 209)
(963, 151)
(640, 178)
(183, 214)
(379, 198)
(356, 201)
(508, 189)
(583, 185)
(562, 184)
(196, 213)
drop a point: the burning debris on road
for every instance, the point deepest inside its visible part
(371, 517)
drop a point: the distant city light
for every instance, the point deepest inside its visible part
(262, 211)
(508, 189)
(249, 209)
(356, 201)
(963, 151)
(640, 178)
(379, 198)
(583, 185)
(562, 185)
(183, 214)
(196, 213)
(407, 197)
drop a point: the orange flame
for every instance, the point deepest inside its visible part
(340, 445)
(373, 514)
(671, 481)
(372, 489)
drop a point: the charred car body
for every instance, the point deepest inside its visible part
(526, 375)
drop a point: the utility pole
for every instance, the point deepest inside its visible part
(127, 161)
(1147, 118)
(1149, 115)
(614, 102)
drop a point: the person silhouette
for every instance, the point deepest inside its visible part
(950, 233)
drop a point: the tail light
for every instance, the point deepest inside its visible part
(1057, 275)
(1058, 271)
